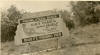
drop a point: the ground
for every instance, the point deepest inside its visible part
(83, 41)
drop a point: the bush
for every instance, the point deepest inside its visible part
(70, 24)
(7, 32)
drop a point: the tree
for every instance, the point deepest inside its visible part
(9, 23)
(13, 14)
(84, 12)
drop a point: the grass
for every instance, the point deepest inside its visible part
(85, 40)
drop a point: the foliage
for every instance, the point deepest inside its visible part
(13, 14)
(9, 22)
(84, 12)
(67, 19)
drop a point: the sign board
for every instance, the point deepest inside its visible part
(54, 35)
(42, 29)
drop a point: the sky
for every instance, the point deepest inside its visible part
(35, 6)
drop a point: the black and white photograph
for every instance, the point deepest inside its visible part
(49, 27)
